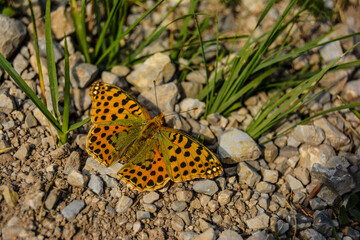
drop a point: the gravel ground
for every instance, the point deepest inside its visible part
(51, 192)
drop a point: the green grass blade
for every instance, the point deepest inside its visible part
(54, 90)
(28, 91)
(78, 124)
(66, 113)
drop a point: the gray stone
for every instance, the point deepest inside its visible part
(337, 178)
(123, 204)
(120, 70)
(96, 184)
(264, 187)
(351, 232)
(336, 138)
(311, 154)
(82, 98)
(137, 227)
(237, 146)
(310, 134)
(110, 210)
(72, 163)
(167, 95)
(84, 74)
(351, 92)
(61, 22)
(317, 204)
(112, 78)
(178, 206)
(329, 196)
(30, 121)
(33, 199)
(224, 197)
(247, 174)
(259, 235)
(311, 234)
(94, 165)
(58, 50)
(23, 152)
(197, 76)
(193, 107)
(229, 235)
(190, 235)
(52, 199)
(206, 186)
(8, 125)
(331, 51)
(7, 102)
(150, 207)
(259, 222)
(281, 227)
(156, 68)
(151, 197)
(12, 34)
(213, 205)
(323, 222)
(142, 215)
(185, 217)
(302, 174)
(20, 63)
(177, 223)
(302, 221)
(209, 234)
(72, 210)
(294, 183)
(76, 179)
(185, 196)
(190, 89)
(289, 151)
(270, 176)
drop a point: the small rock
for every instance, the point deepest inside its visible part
(190, 89)
(259, 222)
(10, 196)
(76, 179)
(323, 222)
(123, 204)
(185, 196)
(289, 152)
(151, 197)
(206, 186)
(317, 204)
(72, 210)
(270, 176)
(213, 205)
(264, 187)
(336, 138)
(189, 235)
(52, 199)
(302, 221)
(248, 175)
(58, 50)
(94, 165)
(237, 146)
(14, 229)
(224, 197)
(311, 154)
(178, 206)
(270, 152)
(61, 152)
(82, 98)
(142, 215)
(12, 34)
(96, 184)
(229, 235)
(61, 22)
(7, 102)
(83, 73)
(185, 217)
(23, 152)
(30, 121)
(302, 174)
(331, 51)
(72, 163)
(294, 183)
(177, 223)
(120, 70)
(209, 234)
(281, 227)
(112, 78)
(150, 207)
(137, 227)
(20, 63)
(193, 107)
(197, 76)
(329, 196)
(310, 134)
(311, 234)
(351, 92)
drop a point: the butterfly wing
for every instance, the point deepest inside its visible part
(147, 170)
(186, 158)
(113, 106)
(118, 119)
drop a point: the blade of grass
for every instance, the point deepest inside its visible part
(78, 124)
(54, 90)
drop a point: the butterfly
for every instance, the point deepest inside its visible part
(152, 154)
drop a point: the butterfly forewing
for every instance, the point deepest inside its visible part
(112, 105)
(186, 157)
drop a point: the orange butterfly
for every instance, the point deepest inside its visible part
(124, 132)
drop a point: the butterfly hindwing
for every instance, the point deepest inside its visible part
(112, 105)
(186, 158)
(147, 171)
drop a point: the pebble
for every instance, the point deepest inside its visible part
(52, 199)
(185, 196)
(58, 50)
(61, 22)
(23, 152)
(150, 207)
(14, 229)
(30, 121)
(281, 227)
(247, 174)
(76, 179)
(237, 146)
(270, 176)
(61, 152)
(178, 206)
(270, 152)
(156, 68)
(310, 134)
(317, 204)
(190, 89)
(142, 215)
(151, 197)
(198, 76)
(123, 204)
(259, 222)
(190, 235)
(72, 163)
(351, 91)
(209, 234)
(229, 235)
(96, 184)
(302, 174)
(12, 34)
(94, 165)
(7, 102)
(323, 223)
(213, 205)
(331, 51)
(314, 154)
(83, 74)
(120, 70)
(329, 196)
(293, 183)
(311, 234)
(336, 138)
(137, 227)
(72, 210)
(264, 187)
(20, 63)
(224, 197)
(177, 223)
(111, 78)
(206, 186)
(185, 217)
(193, 107)
(82, 98)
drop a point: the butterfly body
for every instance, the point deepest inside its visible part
(152, 154)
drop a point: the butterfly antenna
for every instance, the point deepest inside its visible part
(156, 99)
(193, 109)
